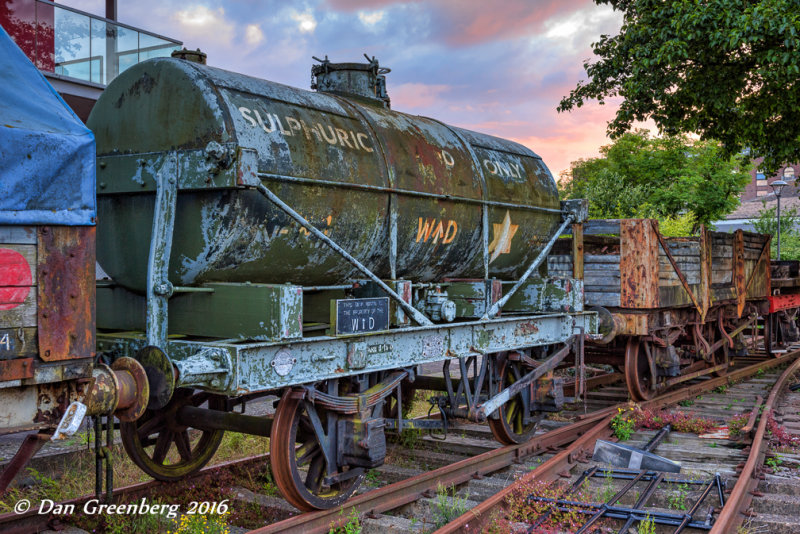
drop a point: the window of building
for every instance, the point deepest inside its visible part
(788, 173)
(761, 193)
(760, 175)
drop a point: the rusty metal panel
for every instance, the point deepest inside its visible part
(577, 251)
(16, 369)
(634, 324)
(739, 279)
(705, 273)
(66, 272)
(638, 264)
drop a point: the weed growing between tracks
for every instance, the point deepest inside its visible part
(736, 423)
(777, 436)
(448, 505)
(352, 526)
(74, 477)
(648, 526)
(522, 510)
(677, 499)
(634, 418)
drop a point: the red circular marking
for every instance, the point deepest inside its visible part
(15, 279)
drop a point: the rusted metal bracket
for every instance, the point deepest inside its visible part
(529, 271)
(418, 316)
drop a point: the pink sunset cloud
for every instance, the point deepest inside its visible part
(496, 67)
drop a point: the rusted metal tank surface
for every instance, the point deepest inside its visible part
(349, 166)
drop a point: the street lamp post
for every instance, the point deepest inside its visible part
(778, 186)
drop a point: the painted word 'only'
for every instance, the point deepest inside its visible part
(503, 169)
(333, 136)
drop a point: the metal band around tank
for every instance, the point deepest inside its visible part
(390, 176)
(408, 192)
(485, 202)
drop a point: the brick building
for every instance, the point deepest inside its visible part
(758, 192)
(759, 183)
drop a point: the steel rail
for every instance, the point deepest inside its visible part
(475, 519)
(739, 500)
(411, 489)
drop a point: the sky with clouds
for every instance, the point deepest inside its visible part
(499, 67)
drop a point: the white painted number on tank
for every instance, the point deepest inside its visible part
(270, 122)
(5, 341)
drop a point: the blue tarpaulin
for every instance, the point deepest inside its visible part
(47, 155)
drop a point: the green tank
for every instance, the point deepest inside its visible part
(367, 176)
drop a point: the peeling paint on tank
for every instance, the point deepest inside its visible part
(226, 234)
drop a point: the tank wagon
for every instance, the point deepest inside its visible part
(319, 246)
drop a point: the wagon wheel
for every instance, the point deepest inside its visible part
(637, 370)
(300, 471)
(165, 449)
(509, 428)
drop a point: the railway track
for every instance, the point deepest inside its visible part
(422, 464)
(701, 460)
(406, 493)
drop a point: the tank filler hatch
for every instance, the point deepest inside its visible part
(365, 81)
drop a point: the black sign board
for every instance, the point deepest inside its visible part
(355, 316)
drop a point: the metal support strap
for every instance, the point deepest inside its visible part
(159, 288)
(418, 317)
(539, 259)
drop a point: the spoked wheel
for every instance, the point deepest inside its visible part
(637, 370)
(165, 449)
(510, 427)
(300, 471)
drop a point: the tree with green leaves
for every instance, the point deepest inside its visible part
(662, 177)
(727, 70)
